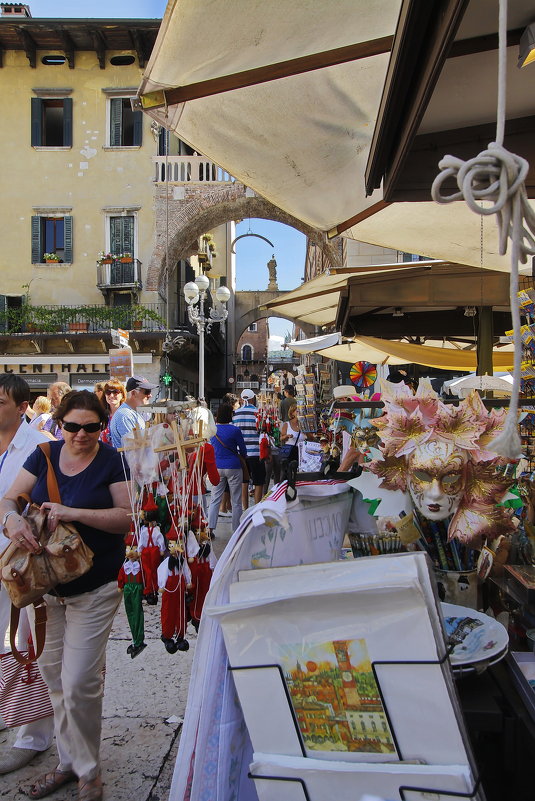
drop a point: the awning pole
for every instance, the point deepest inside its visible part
(484, 341)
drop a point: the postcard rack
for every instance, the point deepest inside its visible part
(403, 789)
(374, 665)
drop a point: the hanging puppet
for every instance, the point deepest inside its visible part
(174, 579)
(151, 548)
(130, 581)
(201, 560)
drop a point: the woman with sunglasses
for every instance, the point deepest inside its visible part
(94, 495)
(113, 394)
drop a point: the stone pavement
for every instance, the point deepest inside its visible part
(144, 702)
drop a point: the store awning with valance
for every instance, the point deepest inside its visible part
(385, 351)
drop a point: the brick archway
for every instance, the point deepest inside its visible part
(191, 212)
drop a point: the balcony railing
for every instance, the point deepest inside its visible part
(189, 169)
(119, 274)
(82, 319)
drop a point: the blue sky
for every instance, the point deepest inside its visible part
(252, 254)
(129, 9)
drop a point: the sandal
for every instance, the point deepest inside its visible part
(90, 789)
(49, 782)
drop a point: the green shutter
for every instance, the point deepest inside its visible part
(116, 117)
(67, 237)
(115, 235)
(36, 240)
(138, 127)
(3, 313)
(37, 121)
(67, 122)
(128, 234)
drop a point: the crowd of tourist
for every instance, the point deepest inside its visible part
(84, 430)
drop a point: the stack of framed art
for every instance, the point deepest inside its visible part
(342, 673)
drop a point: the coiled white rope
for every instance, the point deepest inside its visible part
(497, 175)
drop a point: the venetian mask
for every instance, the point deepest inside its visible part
(437, 478)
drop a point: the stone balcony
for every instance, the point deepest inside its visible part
(189, 169)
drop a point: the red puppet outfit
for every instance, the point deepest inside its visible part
(173, 578)
(201, 463)
(202, 561)
(151, 549)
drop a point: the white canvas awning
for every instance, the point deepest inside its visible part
(234, 92)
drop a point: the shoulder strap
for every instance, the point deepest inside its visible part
(51, 480)
(40, 632)
(226, 446)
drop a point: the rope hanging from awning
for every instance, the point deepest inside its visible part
(497, 175)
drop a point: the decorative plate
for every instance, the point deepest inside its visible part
(477, 638)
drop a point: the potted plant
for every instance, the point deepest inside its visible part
(125, 257)
(50, 258)
(105, 258)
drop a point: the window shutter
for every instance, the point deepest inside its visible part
(37, 121)
(116, 116)
(138, 127)
(115, 235)
(3, 313)
(67, 237)
(67, 122)
(36, 240)
(128, 235)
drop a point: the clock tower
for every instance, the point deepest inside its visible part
(349, 685)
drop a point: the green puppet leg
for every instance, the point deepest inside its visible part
(133, 593)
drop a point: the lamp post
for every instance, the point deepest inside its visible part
(195, 294)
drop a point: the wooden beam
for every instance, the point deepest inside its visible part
(137, 41)
(99, 44)
(424, 34)
(357, 218)
(28, 46)
(420, 167)
(270, 72)
(68, 47)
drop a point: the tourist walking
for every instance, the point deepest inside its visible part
(95, 498)
(127, 416)
(245, 419)
(227, 443)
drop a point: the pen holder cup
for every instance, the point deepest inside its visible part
(457, 587)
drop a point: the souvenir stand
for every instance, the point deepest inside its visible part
(293, 689)
(169, 560)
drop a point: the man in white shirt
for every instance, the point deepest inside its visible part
(127, 417)
(17, 441)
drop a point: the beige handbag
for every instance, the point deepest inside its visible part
(63, 556)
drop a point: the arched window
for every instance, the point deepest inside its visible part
(247, 353)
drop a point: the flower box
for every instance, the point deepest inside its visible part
(78, 326)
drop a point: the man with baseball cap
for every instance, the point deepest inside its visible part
(126, 418)
(245, 419)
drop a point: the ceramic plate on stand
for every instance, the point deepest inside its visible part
(480, 640)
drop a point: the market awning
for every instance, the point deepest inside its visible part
(385, 351)
(288, 97)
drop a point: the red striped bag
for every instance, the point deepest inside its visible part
(23, 693)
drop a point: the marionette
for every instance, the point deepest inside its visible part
(174, 579)
(130, 582)
(201, 560)
(152, 549)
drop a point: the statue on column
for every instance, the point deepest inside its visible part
(272, 267)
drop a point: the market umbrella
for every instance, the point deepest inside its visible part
(491, 383)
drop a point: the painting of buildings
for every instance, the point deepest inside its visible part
(335, 697)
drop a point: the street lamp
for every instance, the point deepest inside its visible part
(195, 295)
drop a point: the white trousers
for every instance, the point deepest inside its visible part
(77, 633)
(37, 735)
(234, 477)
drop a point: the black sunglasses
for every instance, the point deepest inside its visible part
(112, 391)
(74, 428)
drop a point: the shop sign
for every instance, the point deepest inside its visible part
(29, 369)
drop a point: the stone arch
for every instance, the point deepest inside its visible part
(192, 212)
(243, 320)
